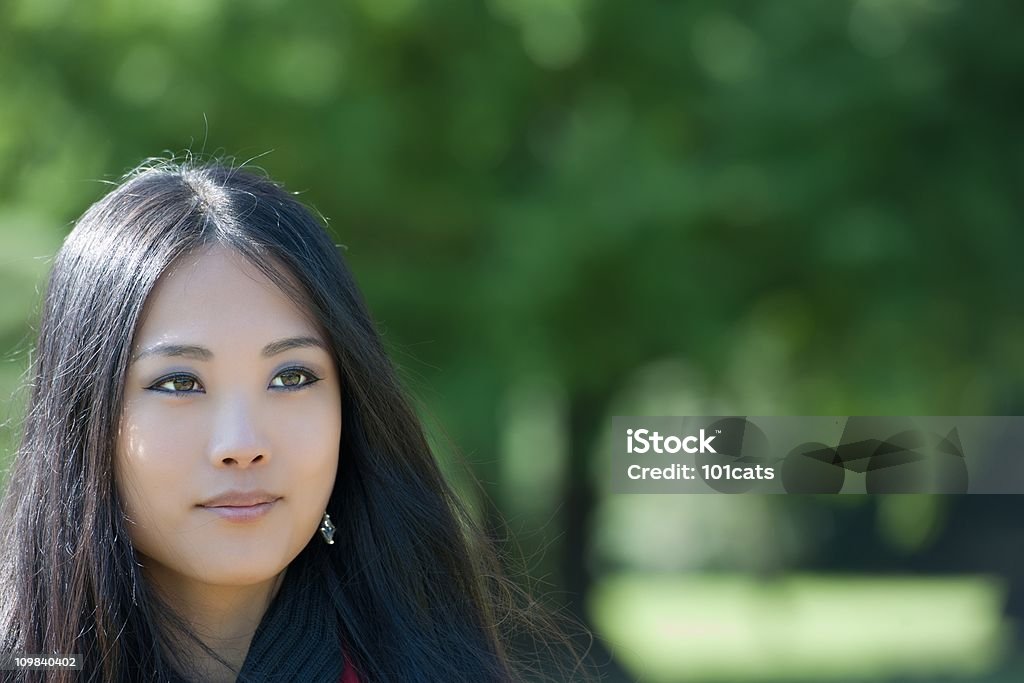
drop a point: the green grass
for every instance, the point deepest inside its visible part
(667, 628)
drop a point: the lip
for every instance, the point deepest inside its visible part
(241, 506)
(240, 499)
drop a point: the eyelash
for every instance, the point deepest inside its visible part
(311, 380)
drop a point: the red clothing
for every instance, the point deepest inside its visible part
(349, 674)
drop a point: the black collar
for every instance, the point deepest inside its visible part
(299, 636)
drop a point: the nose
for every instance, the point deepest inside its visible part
(238, 439)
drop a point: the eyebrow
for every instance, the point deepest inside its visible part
(202, 353)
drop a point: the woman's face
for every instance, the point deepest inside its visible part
(228, 445)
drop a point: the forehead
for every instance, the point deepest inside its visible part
(216, 295)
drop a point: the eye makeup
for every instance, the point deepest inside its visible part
(310, 378)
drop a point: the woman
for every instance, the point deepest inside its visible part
(220, 477)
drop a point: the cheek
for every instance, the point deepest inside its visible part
(152, 466)
(307, 442)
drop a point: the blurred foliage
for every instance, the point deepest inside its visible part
(561, 210)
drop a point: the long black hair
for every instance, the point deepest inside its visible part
(422, 596)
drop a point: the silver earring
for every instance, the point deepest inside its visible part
(327, 529)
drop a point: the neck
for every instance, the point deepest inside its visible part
(224, 618)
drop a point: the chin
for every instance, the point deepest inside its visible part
(241, 564)
(241, 578)
(240, 571)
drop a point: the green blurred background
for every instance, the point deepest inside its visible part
(564, 210)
